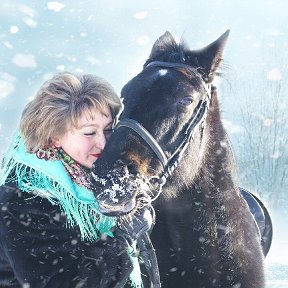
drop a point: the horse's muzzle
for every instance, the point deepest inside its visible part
(119, 192)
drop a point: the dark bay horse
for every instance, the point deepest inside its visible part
(170, 146)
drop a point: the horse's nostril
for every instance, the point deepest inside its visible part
(125, 168)
(132, 169)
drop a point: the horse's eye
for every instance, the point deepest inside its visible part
(186, 101)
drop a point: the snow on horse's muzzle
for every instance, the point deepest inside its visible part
(118, 192)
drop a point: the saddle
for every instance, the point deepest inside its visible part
(261, 217)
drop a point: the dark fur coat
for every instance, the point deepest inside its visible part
(38, 250)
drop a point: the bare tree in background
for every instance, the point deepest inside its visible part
(263, 152)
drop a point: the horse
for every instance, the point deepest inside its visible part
(170, 147)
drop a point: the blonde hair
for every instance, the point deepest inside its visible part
(60, 102)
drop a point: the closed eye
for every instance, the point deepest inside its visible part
(90, 134)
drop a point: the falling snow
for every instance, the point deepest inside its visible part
(40, 38)
(14, 29)
(55, 6)
(24, 60)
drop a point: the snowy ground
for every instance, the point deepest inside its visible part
(277, 275)
(276, 261)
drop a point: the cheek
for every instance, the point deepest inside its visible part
(79, 148)
(85, 146)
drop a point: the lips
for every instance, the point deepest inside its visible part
(96, 155)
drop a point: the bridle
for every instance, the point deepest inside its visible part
(169, 164)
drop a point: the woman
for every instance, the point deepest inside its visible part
(52, 234)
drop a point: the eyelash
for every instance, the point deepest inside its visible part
(90, 134)
(106, 131)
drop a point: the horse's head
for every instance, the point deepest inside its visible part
(165, 111)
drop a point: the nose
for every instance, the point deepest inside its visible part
(100, 141)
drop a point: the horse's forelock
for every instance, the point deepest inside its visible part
(168, 51)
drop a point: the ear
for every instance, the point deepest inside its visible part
(56, 141)
(207, 60)
(162, 44)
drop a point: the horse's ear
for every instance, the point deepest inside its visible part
(207, 60)
(162, 44)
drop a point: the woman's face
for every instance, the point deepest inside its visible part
(86, 142)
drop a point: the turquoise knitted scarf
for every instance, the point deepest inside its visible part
(49, 179)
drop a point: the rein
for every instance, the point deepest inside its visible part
(169, 164)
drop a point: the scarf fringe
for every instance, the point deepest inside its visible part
(86, 215)
(135, 275)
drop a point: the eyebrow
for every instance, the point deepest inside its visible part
(95, 124)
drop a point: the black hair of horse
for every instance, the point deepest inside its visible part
(205, 235)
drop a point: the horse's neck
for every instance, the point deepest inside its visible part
(218, 165)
